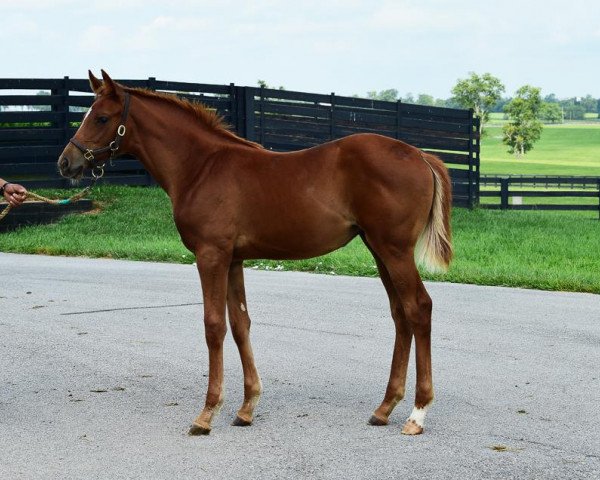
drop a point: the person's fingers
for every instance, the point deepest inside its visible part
(15, 199)
(16, 188)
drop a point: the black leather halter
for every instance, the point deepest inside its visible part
(112, 147)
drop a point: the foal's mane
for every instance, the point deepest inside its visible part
(208, 117)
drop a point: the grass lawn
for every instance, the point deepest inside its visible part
(546, 250)
(567, 149)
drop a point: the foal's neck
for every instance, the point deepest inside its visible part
(172, 143)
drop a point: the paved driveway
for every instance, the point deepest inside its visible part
(103, 366)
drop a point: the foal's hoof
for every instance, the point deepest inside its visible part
(196, 429)
(240, 422)
(412, 428)
(377, 421)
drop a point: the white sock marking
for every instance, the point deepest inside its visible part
(418, 415)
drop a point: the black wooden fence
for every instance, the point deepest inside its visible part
(547, 192)
(34, 127)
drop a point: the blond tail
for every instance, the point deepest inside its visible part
(434, 248)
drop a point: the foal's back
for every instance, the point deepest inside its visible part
(310, 202)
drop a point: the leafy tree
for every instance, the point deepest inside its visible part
(499, 105)
(574, 111)
(41, 108)
(524, 127)
(409, 98)
(589, 103)
(479, 93)
(424, 99)
(389, 95)
(551, 112)
(263, 84)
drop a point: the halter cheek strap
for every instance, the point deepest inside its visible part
(112, 147)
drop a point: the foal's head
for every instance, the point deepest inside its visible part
(100, 133)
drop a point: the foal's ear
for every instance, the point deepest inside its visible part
(110, 87)
(95, 83)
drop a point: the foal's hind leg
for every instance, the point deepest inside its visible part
(397, 382)
(416, 305)
(240, 328)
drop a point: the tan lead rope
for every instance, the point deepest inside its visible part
(73, 199)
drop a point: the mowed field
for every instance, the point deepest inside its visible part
(544, 250)
(567, 149)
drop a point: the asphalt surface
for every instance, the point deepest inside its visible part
(103, 367)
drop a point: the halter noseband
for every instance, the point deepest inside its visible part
(90, 154)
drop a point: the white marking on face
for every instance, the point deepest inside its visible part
(242, 307)
(418, 415)
(87, 114)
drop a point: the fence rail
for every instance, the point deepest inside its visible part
(35, 127)
(539, 187)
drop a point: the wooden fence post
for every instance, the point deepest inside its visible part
(504, 193)
(332, 123)
(471, 149)
(63, 108)
(398, 118)
(598, 184)
(249, 117)
(262, 115)
(477, 160)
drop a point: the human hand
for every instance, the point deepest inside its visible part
(15, 194)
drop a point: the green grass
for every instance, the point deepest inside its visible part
(135, 223)
(546, 250)
(562, 150)
(567, 149)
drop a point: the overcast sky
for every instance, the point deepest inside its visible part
(342, 46)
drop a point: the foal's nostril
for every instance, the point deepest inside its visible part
(63, 163)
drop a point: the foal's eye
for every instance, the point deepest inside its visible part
(102, 120)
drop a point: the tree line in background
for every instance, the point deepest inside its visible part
(526, 111)
(554, 110)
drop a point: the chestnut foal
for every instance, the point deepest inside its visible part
(233, 200)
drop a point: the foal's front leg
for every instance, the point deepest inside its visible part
(240, 328)
(213, 265)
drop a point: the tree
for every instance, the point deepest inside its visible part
(574, 111)
(479, 93)
(41, 108)
(263, 84)
(589, 103)
(389, 95)
(499, 105)
(551, 113)
(424, 99)
(524, 127)
(408, 98)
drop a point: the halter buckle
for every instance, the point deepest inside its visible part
(98, 171)
(88, 155)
